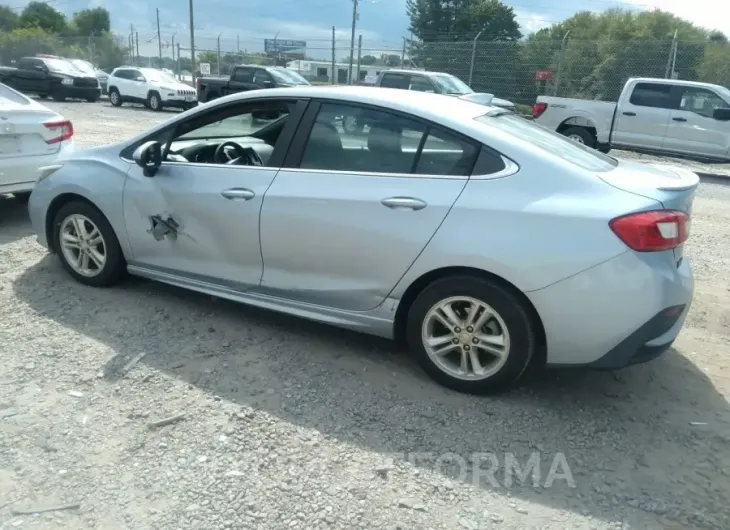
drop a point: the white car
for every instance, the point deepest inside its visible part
(31, 136)
(154, 88)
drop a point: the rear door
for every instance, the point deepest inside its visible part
(692, 128)
(121, 80)
(642, 119)
(348, 215)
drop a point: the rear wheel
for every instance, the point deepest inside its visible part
(58, 97)
(42, 96)
(471, 334)
(115, 97)
(87, 245)
(580, 135)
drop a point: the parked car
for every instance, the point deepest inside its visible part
(660, 116)
(154, 88)
(244, 78)
(423, 81)
(484, 241)
(88, 68)
(31, 135)
(51, 76)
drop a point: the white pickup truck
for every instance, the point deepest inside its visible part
(657, 116)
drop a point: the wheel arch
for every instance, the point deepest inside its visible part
(584, 122)
(55, 206)
(426, 279)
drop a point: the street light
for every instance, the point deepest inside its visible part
(192, 41)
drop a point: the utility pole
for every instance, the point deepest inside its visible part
(359, 57)
(136, 38)
(173, 46)
(192, 41)
(219, 53)
(333, 55)
(159, 38)
(352, 40)
(131, 41)
(179, 72)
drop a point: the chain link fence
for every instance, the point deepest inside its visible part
(519, 71)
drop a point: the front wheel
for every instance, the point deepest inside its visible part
(115, 97)
(471, 334)
(154, 102)
(87, 245)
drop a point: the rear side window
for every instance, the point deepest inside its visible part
(550, 141)
(243, 75)
(122, 74)
(654, 95)
(394, 81)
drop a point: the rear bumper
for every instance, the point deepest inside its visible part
(18, 175)
(614, 314)
(78, 92)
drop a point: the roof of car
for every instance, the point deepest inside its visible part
(407, 71)
(422, 103)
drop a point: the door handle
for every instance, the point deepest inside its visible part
(629, 114)
(403, 203)
(679, 119)
(238, 194)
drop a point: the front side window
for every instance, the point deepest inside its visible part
(654, 95)
(701, 101)
(391, 144)
(262, 78)
(550, 141)
(421, 84)
(243, 135)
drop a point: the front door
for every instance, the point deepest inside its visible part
(692, 128)
(32, 76)
(642, 119)
(347, 216)
(198, 216)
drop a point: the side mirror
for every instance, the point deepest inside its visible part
(721, 114)
(148, 156)
(141, 79)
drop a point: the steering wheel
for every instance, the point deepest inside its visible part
(222, 157)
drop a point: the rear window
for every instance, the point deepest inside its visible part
(8, 94)
(552, 142)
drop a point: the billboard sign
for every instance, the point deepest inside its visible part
(281, 45)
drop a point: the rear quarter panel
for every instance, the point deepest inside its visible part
(535, 228)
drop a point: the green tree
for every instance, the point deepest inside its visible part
(367, 60)
(456, 19)
(390, 59)
(43, 16)
(91, 22)
(8, 19)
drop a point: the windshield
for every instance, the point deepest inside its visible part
(61, 66)
(451, 85)
(288, 76)
(552, 142)
(83, 66)
(157, 76)
(725, 93)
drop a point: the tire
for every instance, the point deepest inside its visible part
(154, 101)
(115, 97)
(92, 100)
(58, 97)
(513, 323)
(42, 96)
(114, 267)
(580, 135)
(604, 149)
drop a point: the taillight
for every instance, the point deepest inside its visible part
(652, 231)
(63, 130)
(538, 109)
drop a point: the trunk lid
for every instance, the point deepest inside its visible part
(484, 98)
(674, 187)
(22, 129)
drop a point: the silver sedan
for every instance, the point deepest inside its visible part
(484, 242)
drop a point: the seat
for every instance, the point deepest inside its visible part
(324, 148)
(385, 151)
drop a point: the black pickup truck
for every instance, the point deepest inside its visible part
(247, 77)
(54, 77)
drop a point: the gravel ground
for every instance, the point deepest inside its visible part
(289, 424)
